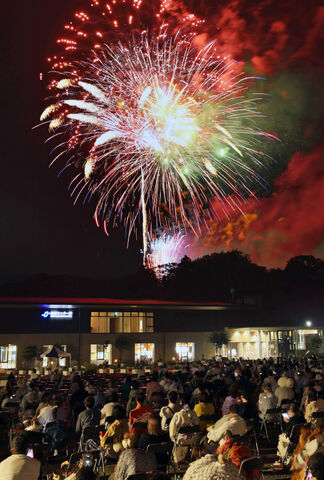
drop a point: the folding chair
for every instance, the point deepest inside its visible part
(253, 463)
(139, 476)
(273, 416)
(185, 437)
(316, 415)
(74, 458)
(90, 433)
(293, 441)
(162, 452)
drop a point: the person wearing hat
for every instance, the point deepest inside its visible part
(284, 391)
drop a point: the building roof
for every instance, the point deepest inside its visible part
(133, 303)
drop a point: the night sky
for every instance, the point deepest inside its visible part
(41, 230)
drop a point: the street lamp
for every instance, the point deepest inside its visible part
(308, 323)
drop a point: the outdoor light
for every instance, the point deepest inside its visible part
(308, 323)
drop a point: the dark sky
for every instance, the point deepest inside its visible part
(41, 230)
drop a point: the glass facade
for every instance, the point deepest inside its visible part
(185, 351)
(144, 352)
(8, 356)
(260, 343)
(121, 322)
(100, 353)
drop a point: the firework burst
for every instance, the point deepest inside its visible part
(165, 249)
(157, 129)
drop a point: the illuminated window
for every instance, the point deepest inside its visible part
(8, 356)
(100, 353)
(144, 352)
(121, 322)
(185, 352)
(3, 355)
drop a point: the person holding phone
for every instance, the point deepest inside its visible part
(291, 418)
(20, 465)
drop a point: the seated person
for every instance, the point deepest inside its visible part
(19, 465)
(235, 452)
(204, 408)
(47, 414)
(209, 467)
(133, 461)
(230, 399)
(107, 409)
(154, 387)
(166, 413)
(89, 417)
(284, 391)
(232, 421)
(154, 434)
(298, 457)
(139, 415)
(295, 417)
(313, 404)
(34, 426)
(116, 432)
(267, 401)
(185, 417)
(135, 390)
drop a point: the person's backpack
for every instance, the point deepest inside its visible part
(168, 420)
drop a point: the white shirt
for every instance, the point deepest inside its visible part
(19, 467)
(46, 415)
(166, 413)
(181, 419)
(107, 411)
(234, 423)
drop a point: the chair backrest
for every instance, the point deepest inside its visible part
(273, 410)
(295, 432)
(318, 415)
(189, 429)
(253, 463)
(138, 476)
(74, 458)
(91, 432)
(162, 452)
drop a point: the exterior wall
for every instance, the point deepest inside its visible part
(165, 344)
(171, 325)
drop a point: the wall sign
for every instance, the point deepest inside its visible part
(57, 314)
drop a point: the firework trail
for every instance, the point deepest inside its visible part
(157, 129)
(165, 249)
(107, 22)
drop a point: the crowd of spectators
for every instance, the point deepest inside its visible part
(203, 420)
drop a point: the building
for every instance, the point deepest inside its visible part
(152, 330)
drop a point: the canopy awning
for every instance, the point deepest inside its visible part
(55, 352)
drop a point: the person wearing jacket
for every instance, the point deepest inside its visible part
(232, 422)
(185, 417)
